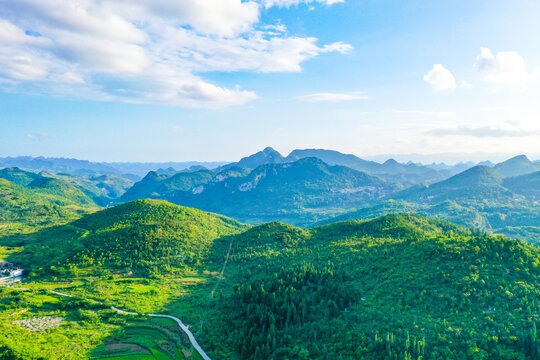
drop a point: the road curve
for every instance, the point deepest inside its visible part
(194, 342)
(186, 330)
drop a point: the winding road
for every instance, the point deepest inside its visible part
(185, 328)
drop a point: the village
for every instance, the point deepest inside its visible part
(9, 271)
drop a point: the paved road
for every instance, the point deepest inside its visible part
(186, 330)
(194, 342)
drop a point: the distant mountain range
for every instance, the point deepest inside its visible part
(312, 185)
(478, 197)
(389, 170)
(297, 192)
(131, 170)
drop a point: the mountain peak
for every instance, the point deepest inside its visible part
(390, 162)
(515, 166)
(266, 156)
(270, 150)
(479, 174)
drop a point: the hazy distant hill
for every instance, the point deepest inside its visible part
(296, 192)
(56, 164)
(527, 185)
(518, 165)
(129, 170)
(479, 197)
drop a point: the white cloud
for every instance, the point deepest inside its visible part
(287, 3)
(144, 52)
(440, 78)
(505, 68)
(334, 97)
(466, 84)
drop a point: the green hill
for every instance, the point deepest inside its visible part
(478, 197)
(516, 166)
(43, 202)
(157, 186)
(148, 236)
(298, 192)
(101, 189)
(395, 287)
(527, 185)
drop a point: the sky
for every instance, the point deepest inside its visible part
(163, 80)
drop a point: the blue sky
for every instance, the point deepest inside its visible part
(219, 79)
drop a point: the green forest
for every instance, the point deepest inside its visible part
(394, 287)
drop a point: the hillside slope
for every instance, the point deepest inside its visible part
(478, 197)
(42, 203)
(398, 287)
(516, 166)
(148, 236)
(156, 186)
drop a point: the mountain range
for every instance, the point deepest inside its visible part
(314, 185)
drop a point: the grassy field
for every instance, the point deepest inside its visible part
(90, 329)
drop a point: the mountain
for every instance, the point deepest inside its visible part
(332, 157)
(518, 165)
(157, 186)
(390, 170)
(266, 156)
(394, 287)
(296, 192)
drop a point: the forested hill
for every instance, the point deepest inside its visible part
(394, 287)
(478, 197)
(147, 236)
(43, 202)
(157, 186)
(100, 189)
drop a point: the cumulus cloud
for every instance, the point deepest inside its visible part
(485, 131)
(505, 68)
(155, 51)
(287, 3)
(334, 97)
(440, 78)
